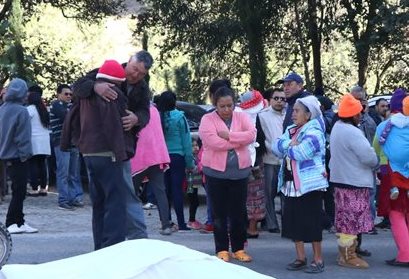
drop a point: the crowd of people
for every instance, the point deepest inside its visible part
(333, 170)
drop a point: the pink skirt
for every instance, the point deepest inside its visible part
(352, 210)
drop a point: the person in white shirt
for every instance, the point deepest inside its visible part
(269, 125)
(40, 140)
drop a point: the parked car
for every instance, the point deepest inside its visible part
(372, 101)
(193, 114)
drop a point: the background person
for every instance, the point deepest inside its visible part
(269, 126)
(40, 141)
(393, 137)
(352, 163)
(226, 135)
(15, 150)
(302, 180)
(179, 143)
(70, 193)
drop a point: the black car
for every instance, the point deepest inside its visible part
(193, 114)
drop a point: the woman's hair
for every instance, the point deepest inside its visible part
(348, 120)
(270, 91)
(222, 92)
(34, 98)
(167, 101)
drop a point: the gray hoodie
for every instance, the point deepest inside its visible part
(15, 127)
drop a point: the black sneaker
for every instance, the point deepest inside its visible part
(77, 204)
(384, 224)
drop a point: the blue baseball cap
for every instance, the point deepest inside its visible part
(292, 77)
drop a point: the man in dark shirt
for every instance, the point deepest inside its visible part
(70, 192)
(293, 85)
(138, 94)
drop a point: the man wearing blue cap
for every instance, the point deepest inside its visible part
(293, 85)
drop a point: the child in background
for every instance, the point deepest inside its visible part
(194, 180)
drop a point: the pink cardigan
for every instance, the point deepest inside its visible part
(151, 147)
(242, 133)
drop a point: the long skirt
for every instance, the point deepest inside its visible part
(256, 205)
(302, 217)
(352, 211)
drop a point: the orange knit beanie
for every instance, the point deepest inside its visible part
(405, 106)
(349, 106)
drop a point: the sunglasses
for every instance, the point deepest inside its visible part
(282, 99)
(68, 94)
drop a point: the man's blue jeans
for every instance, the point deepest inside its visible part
(108, 196)
(134, 211)
(68, 176)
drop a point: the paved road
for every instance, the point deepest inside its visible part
(68, 233)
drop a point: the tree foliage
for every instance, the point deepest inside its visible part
(264, 39)
(43, 58)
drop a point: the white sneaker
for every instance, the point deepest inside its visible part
(148, 206)
(28, 229)
(14, 229)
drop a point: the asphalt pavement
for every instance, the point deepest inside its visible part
(64, 234)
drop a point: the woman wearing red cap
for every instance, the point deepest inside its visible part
(352, 164)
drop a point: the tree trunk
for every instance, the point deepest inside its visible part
(316, 46)
(253, 27)
(302, 45)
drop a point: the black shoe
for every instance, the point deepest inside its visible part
(250, 235)
(297, 265)
(394, 262)
(363, 252)
(384, 224)
(315, 267)
(77, 204)
(276, 230)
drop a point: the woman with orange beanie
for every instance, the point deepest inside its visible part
(352, 164)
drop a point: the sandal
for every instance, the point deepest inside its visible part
(315, 267)
(297, 265)
(224, 256)
(242, 256)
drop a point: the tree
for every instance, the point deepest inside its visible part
(231, 31)
(372, 24)
(16, 59)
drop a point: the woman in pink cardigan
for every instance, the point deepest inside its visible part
(226, 162)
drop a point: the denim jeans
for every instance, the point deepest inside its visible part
(135, 217)
(174, 177)
(68, 176)
(18, 172)
(108, 197)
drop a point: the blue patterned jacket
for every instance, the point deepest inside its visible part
(307, 158)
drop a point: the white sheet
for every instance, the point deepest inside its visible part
(147, 259)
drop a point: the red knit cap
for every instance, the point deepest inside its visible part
(112, 70)
(349, 106)
(250, 99)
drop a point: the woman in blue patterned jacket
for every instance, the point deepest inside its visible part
(302, 180)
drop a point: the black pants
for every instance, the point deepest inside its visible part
(18, 172)
(228, 198)
(193, 204)
(38, 172)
